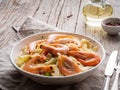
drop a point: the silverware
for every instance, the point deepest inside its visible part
(117, 68)
(110, 68)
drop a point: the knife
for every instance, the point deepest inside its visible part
(110, 68)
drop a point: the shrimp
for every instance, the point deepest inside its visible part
(56, 48)
(67, 66)
(86, 58)
(31, 67)
(32, 46)
(53, 37)
(69, 40)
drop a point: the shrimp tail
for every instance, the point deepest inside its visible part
(86, 58)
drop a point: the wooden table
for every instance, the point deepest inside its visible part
(63, 14)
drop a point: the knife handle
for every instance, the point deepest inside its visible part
(115, 83)
(106, 86)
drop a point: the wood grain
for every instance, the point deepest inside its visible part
(64, 14)
(68, 16)
(14, 12)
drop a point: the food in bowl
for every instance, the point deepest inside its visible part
(58, 55)
(113, 24)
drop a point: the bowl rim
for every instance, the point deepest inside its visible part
(73, 75)
(110, 18)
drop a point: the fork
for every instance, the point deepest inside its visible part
(117, 68)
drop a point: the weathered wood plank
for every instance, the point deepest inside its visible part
(59, 13)
(116, 7)
(44, 10)
(80, 26)
(67, 18)
(56, 12)
(14, 12)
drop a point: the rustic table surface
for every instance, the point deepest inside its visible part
(63, 14)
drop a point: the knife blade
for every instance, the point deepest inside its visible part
(110, 68)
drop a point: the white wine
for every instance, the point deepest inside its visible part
(94, 13)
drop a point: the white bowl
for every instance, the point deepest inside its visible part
(49, 80)
(112, 30)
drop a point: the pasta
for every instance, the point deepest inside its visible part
(58, 55)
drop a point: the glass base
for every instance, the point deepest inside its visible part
(93, 21)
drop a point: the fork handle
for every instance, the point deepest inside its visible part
(115, 83)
